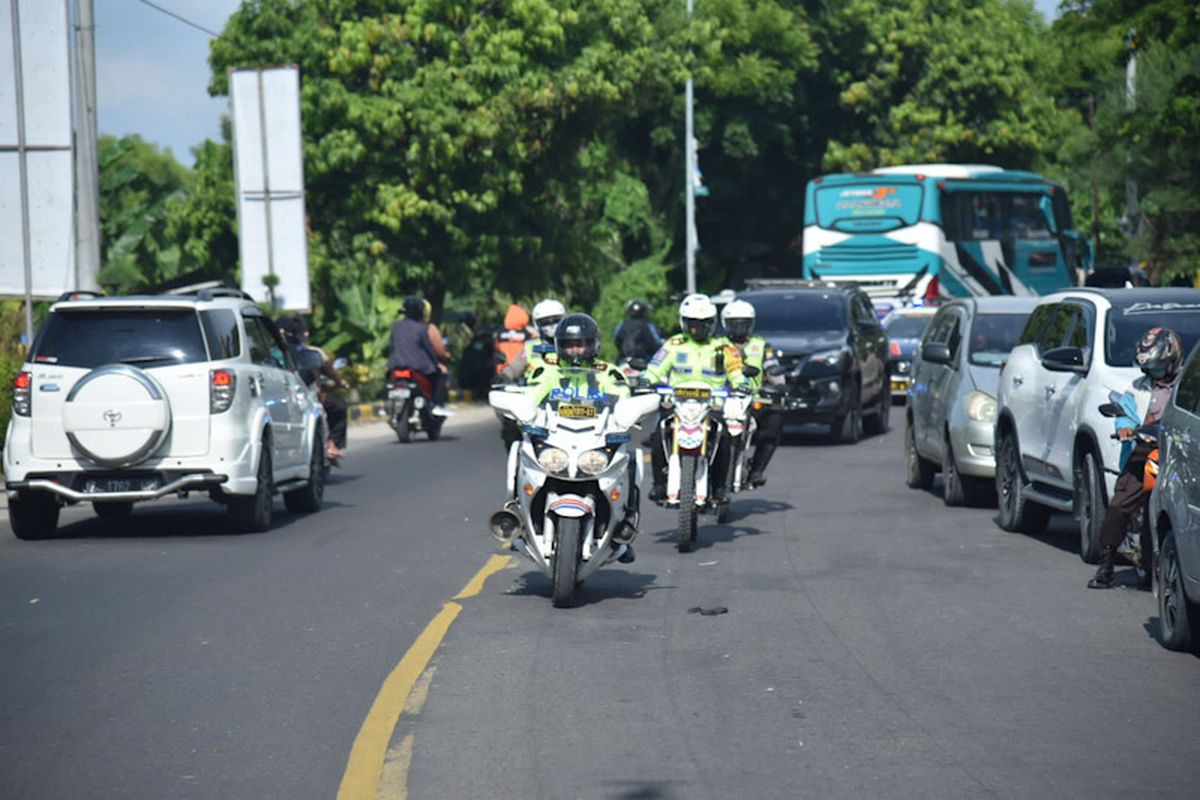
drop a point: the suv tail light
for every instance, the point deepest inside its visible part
(221, 387)
(22, 394)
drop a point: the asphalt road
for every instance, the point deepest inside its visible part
(876, 644)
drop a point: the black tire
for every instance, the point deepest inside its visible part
(847, 429)
(33, 515)
(1017, 513)
(1145, 569)
(566, 560)
(433, 426)
(113, 509)
(919, 469)
(307, 499)
(686, 531)
(954, 491)
(1089, 507)
(253, 514)
(878, 423)
(403, 429)
(1178, 618)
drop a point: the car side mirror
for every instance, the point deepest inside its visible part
(308, 359)
(1064, 359)
(936, 352)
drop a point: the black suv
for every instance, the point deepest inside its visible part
(834, 350)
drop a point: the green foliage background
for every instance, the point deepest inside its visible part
(489, 150)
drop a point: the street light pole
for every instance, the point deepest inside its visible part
(87, 190)
(689, 179)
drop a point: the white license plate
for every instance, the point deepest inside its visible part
(400, 394)
(101, 485)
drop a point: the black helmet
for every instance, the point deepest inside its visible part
(577, 339)
(293, 329)
(1159, 353)
(414, 307)
(637, 309)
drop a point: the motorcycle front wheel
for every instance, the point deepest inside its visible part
(566, 560)
(687, 503)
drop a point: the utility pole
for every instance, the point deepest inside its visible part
(1133, 220)
(689, 178)
(22, 169)
(87, 168)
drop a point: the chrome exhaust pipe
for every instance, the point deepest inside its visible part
(504, 525)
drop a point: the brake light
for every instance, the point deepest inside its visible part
(894, 348)
(932, 291)
(222, 385)
(21, 394)
(402, 373)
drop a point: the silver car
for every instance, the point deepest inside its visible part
(951, 404)
(1175, 514)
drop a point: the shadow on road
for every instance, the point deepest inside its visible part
(610, 583)
(642, 790)
(196, 521)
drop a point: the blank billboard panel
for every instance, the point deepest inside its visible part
(269, 169)
(46, 95)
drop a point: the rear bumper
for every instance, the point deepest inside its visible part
(192, 482)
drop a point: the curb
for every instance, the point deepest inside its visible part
(369, 412)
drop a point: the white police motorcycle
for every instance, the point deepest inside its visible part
(691, 436)
(577, 481)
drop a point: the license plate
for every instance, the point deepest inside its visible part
(899, 386)
(400, 394)
(576, 411)
(102, 485)
(690, 393)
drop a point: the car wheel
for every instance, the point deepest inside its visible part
(253, 514)
(33, 515)
(307, 499)
(877, 424)
(114, 510)
(1178, 619)
(847, 429)
(1017, 513)
(1089, 507)
(954, 492)
(919, 469)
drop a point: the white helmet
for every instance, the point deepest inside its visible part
(698, 316)
(546, 315)
(738, 320)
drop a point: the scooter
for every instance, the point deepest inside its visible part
(691, 436)
(409, 405)
(577, 484)
(1138, 546)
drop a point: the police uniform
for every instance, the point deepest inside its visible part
(757, 353)
(597, 382)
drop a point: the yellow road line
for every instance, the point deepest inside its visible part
(364, 768)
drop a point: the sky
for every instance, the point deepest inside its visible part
(152, 70)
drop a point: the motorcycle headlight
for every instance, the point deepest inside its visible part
(593, 462)
(981, 407)
(830, 358)
(552, 459)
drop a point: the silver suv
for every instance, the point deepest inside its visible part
(128, 399)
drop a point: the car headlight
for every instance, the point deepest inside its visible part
(981, 407)
(552, 459)
(830, 358)
(593, 462)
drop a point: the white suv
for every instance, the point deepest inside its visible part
(1054, 450)
(125, 399)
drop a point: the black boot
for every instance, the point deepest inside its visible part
(1103, 579)
(756, 479)
(658, 492)
(627, 557)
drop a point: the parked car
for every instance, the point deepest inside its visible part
(904, 328)
(952, 399)
(128, 399)
(1175, 514)
(1054, 448)
(834, 352)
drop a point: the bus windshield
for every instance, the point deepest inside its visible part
(880, 203)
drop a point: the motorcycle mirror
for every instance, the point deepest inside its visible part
(1111, 410)
(750, 371)
(637, 363)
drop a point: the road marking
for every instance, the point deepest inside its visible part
(364, 769)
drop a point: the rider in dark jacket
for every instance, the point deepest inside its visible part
(413, 349)
(636, 336)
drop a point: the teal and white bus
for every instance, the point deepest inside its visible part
(943, 230)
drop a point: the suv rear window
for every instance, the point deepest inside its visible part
(155, 337)
(1128, 322)
(802, 311)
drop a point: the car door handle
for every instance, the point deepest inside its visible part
(255, 387)
(1050, 390)
(1017, 380)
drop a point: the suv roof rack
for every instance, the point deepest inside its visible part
(207, 290)
(78, 294)
(782, 283)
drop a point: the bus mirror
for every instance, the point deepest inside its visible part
(1047, 206)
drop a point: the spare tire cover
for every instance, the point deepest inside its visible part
(116, 415)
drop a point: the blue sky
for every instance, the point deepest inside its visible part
(152, 70)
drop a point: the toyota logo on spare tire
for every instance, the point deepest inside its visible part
(112, 416)
(116, 416)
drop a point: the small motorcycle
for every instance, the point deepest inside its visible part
(741, 426)
(690, 440)
(409, 405)
(577, 484)
(1138, 546)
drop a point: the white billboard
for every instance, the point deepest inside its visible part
(268, 162)
(37, 214)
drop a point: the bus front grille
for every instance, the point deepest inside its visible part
(850, 253)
